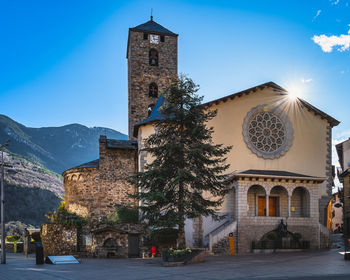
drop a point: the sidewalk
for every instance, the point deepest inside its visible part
(310, 265)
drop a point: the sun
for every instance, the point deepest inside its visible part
(294, 92)
(292, 95)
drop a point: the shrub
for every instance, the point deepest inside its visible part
(64, 217)
(163, 237)
(272, 235)
(124, 214)
(297, 236)
(179, 252)
(13, 238)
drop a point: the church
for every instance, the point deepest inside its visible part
(280, 163)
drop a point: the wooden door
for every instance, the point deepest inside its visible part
(261, 206)
(133, 246)
(272, 206)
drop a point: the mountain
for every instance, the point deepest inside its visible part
(56, 148)
(30, 193)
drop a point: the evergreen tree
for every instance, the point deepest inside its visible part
(187, 167)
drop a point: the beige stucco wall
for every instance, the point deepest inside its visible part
(307, 155)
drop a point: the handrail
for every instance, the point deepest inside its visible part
(224, 232)
(219, 227)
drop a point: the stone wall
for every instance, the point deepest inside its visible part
(90, 241)
(59, 240)
(93, 192)
(252, 228)
(81, 190)
(141, 74)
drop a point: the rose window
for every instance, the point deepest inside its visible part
(267, 132)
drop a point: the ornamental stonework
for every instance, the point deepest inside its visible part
(267, 131)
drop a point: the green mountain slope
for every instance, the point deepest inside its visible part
(57, 148)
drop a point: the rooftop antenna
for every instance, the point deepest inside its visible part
(151, 14)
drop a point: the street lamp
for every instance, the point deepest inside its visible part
(3, 234)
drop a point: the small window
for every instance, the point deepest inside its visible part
(153, 57)
(145, 36)
(162, 38)
(153, 90)
(150, 109)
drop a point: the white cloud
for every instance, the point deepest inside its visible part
(334, 2)
(328, 42)
(317, 14)
(306, 81)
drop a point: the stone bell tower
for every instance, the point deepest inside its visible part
(152, 61)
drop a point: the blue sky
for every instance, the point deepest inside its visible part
(64, 61)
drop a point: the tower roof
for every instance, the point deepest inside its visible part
(152, 26)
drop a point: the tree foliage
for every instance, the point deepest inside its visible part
(185, 179)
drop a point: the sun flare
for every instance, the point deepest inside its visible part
(294, 92)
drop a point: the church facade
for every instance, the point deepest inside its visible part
(280, 163)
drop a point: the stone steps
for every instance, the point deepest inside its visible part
(222, 247)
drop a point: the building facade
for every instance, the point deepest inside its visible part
(343, 151)
(280, 163)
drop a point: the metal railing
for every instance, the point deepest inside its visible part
(220, 232)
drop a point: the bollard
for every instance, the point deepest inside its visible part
(232, 247)
(154, 251)
(39, 253)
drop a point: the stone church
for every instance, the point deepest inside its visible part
(280, 163)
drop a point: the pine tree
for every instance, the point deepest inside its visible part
(187, 165)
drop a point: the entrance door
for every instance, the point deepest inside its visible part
(272, 206)
(133, 245)
(261, 206)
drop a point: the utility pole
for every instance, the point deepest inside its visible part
(3, 234)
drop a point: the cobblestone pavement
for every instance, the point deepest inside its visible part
(310, 265)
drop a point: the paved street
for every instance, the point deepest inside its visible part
(302, 265)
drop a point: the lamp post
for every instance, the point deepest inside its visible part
(3, 249)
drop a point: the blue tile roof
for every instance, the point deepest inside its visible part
(153, 26)
(90, 164)
(156, 114)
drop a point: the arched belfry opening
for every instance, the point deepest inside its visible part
(153, 90)
(153, 57)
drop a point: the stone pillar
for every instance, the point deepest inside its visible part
(289, 199)
(267, 205)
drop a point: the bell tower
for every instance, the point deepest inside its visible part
(152, 62)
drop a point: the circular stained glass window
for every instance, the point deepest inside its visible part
(267, 132)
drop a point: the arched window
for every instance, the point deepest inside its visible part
(153, 90)
(153, 57)
(150, 109)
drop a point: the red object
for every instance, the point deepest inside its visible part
(154, 251)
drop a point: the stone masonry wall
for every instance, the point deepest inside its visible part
(252, 228)
(94, 192)
(141, 74)
(116, 166)
(58, 240)
(81, 190)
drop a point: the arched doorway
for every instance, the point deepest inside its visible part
(256, 198)
(278, 202)
(300, 202)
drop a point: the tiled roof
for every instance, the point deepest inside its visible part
(308, 106)
(121, 144)
(152, 26)
(90, 164)
(278, 173)
(156, 115)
